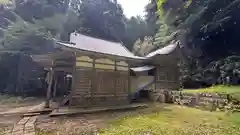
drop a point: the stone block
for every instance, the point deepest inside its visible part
(19, 132)
(161, 98)
(32, 133)
(29, 130)
(23, 121)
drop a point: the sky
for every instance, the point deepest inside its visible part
(133, 7)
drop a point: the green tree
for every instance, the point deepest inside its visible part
(136, 28)
(206, 28)
(143, 47)
(152, 17)
(102, 19)
(28, 38)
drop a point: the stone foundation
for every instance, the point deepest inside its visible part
(202, 100)
(207, 101)
(158, 96)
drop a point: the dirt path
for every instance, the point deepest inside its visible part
(26, 126)
(77, 124)
(66, 125)
(24, 109)
(10, 113)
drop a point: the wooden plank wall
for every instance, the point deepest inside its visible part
(100, 82)
(167, 77)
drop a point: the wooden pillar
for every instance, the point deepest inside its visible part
(93, 80)
(51, 74)
(55, 86)
(155, 78)
(73, 79)
(115, 79)
(129, 81)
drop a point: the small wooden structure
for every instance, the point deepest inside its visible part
(167, 72)
(161, 70)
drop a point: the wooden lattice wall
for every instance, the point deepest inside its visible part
(100, 82)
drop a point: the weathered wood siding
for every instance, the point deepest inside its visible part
(167, 77)
(100, 82)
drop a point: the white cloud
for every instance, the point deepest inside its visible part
(133, 7)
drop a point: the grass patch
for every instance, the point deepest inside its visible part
(176, 120)
(216, 89)
(234, 91)
(17, 101)
(6, 99)
(45, 133)
(4, 1)
(4, 131)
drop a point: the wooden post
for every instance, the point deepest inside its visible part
(93, 80)
(73, 78)
(115, 79)
(129, 82)
(55, 86)
(155, 78)
(47, 104)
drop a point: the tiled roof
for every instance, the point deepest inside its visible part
(162, 51)
(143, 68)
(86, 43)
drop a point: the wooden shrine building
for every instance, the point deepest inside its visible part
(100, 70)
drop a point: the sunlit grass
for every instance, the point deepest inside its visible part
(176, 120)
(4, 1)
(45, 133)
(218, 88)
(161, 119)
(234, 91)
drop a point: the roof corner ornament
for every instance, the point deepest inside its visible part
(75, 33)
(179, 44)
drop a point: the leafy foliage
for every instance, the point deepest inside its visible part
(203, 28)
(136, 28)
(152, 17)
(142, 48)
(27, 37)
(39, 9)
(201, 22)
(53, 24)
(102, 19)
(4, 1)
(216, 72)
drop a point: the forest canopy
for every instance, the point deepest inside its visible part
(208, 31)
